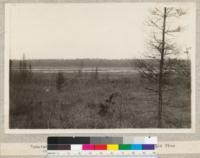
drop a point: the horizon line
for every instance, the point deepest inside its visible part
(95, 59)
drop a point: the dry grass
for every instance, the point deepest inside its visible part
(84, 103)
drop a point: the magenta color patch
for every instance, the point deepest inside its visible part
(88, 147)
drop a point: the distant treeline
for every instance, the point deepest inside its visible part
(78, 62)
(84, 62)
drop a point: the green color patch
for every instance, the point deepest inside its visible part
(125, 147)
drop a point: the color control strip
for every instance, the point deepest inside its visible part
(112, 147)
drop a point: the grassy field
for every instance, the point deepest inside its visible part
(109, 101)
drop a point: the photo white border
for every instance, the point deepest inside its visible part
(7, 130)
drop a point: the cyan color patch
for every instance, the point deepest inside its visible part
(136, 146)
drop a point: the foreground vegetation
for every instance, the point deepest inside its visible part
(95, 100)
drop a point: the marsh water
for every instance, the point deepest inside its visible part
(120, 70)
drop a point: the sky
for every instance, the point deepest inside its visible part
(86, 30)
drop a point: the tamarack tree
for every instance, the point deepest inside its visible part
(161, 48)
(96, 74)
(60, 80)
(25, 70)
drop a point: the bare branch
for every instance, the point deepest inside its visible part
(173, 12)
(178, 29)
(180, 12)
(154, 24)
(156, 39)
(157, 12)
(157, 46)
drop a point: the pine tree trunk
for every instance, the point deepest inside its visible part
(160, 84)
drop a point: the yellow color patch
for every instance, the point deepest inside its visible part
(112, 147)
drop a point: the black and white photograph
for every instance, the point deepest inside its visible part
(100, 65)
